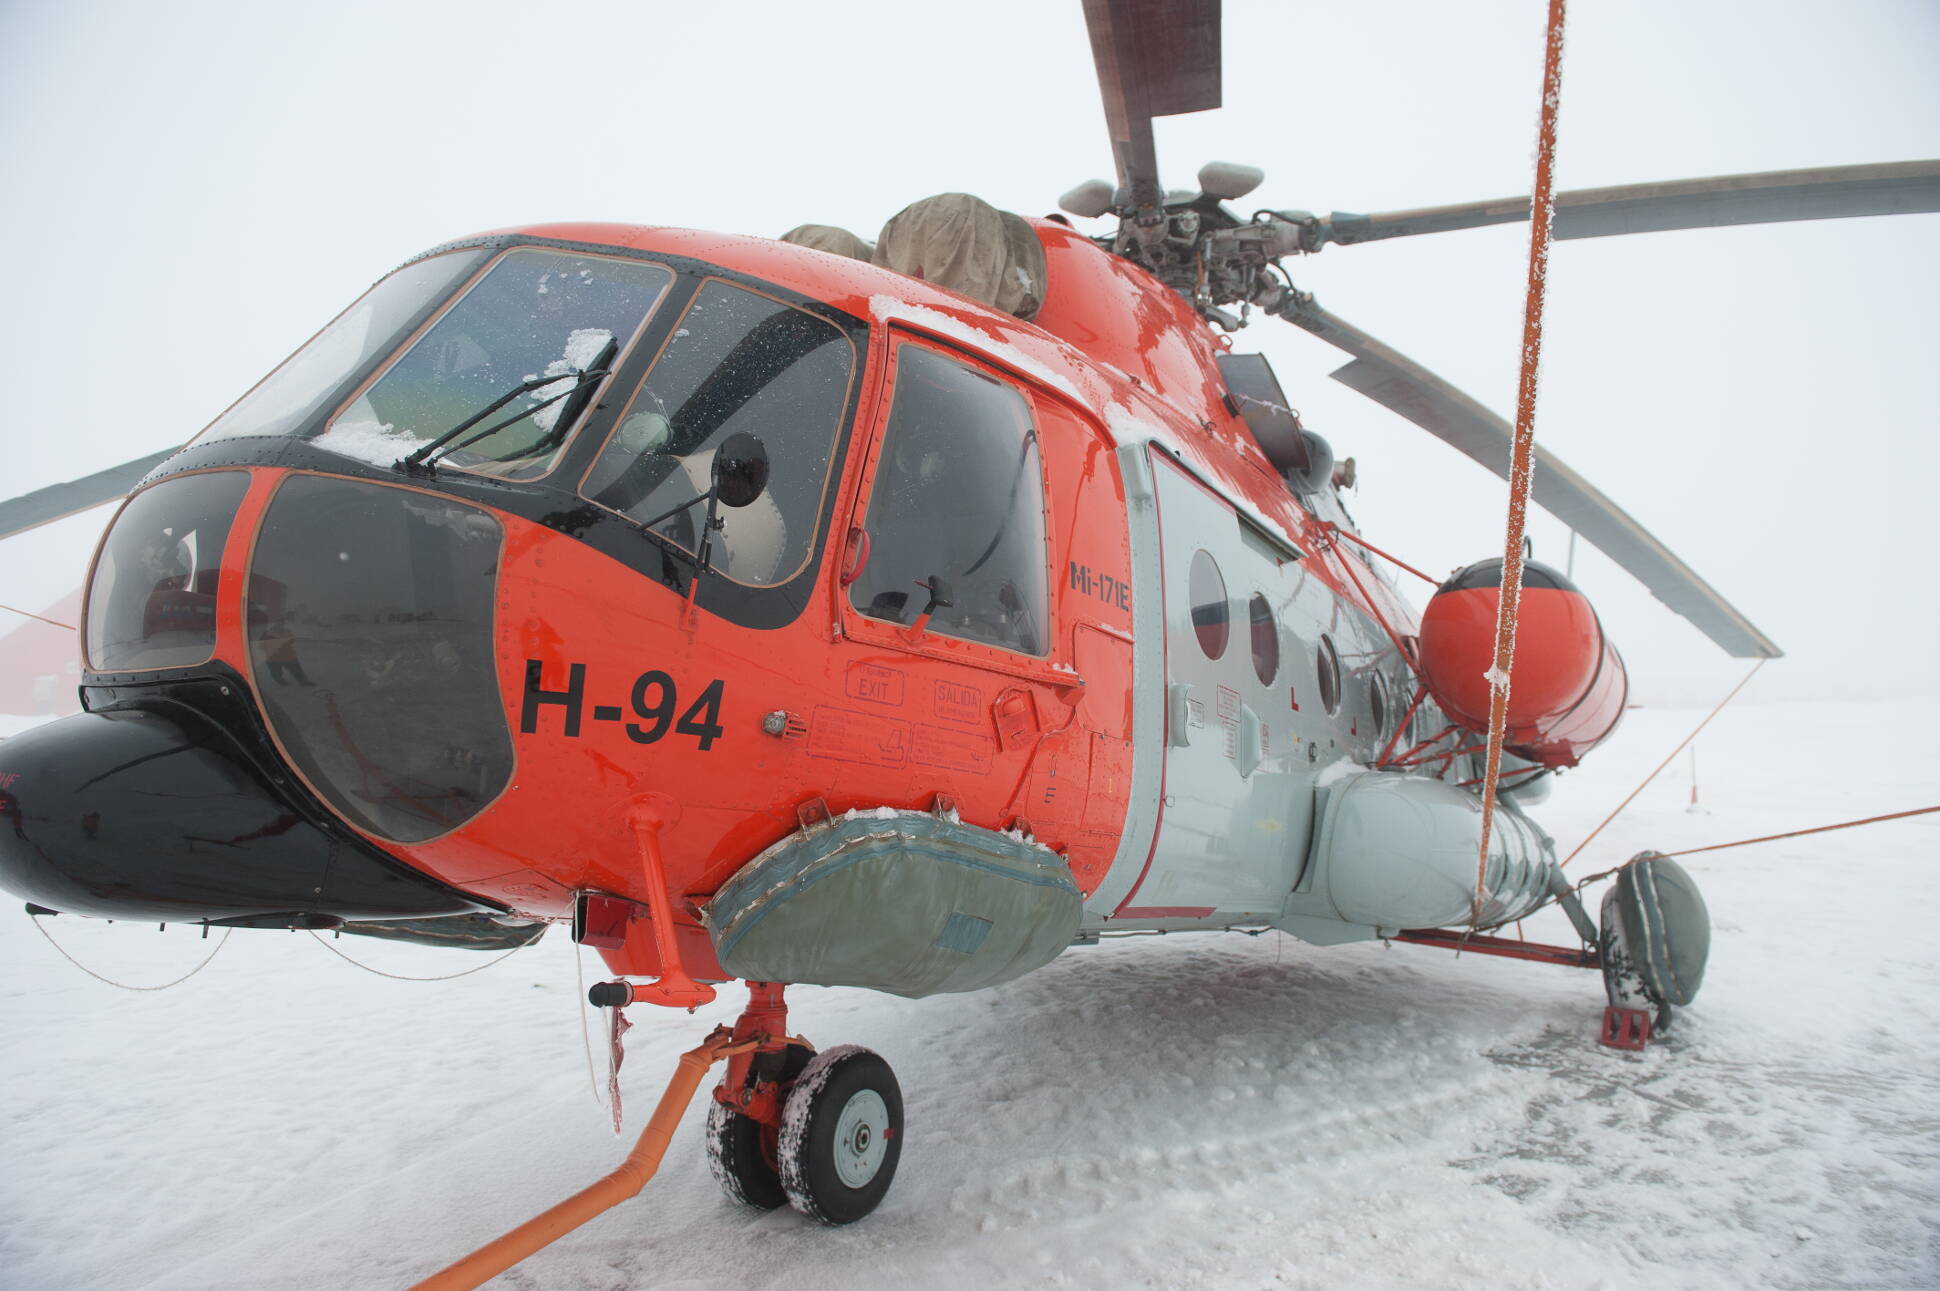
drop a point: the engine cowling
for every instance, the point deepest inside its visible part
(1567, 686)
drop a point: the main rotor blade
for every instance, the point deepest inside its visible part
(56, 501)
(1156, 58)
(1399, 383)
(1830, 193)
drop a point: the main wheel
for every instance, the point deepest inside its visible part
(841, 1135)
(741, 1150)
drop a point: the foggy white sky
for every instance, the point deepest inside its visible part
(192, 189)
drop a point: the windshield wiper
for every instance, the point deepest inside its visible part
(419, 460)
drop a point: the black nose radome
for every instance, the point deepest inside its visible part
(154, 813)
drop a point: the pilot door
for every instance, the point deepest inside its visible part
(1237, 803)
(974, 658)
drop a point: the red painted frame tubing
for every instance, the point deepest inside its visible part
(1479, 945)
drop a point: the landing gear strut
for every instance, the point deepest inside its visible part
(822, 1132)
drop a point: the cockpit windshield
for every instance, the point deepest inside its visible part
(740, 363)
(314, 378)
(535, 313)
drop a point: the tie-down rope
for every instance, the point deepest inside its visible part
(1542, 209)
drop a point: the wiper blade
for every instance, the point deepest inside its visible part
(420, 458)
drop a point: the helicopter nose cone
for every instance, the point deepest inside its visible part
(136, 813)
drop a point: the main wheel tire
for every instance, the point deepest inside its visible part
(741, 1150)
(841, 1135)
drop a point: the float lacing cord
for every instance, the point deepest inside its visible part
(1542, 209)
(50, 622)
(125, 986)
(406, 977)
(1618, 810)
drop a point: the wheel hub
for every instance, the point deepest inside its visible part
(860, 1138)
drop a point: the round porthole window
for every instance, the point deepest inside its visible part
(1266, 639)
(1327, 665)
(1211, 620)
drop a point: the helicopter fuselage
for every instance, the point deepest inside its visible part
(1035, 577)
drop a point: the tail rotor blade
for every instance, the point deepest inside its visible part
(1779, 196)
(1405, 387)
(56, 501)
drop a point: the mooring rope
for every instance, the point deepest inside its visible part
(39, 920)
(1772, 838)
(1799, 833)
(585, 1033)
(48, 621)
(1542, 209)
(405, 977)
(1618, 810)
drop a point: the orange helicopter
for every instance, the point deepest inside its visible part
(808, 612)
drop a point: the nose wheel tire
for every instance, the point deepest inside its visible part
(841, 1135)
(734, 1154)
(741, 1151)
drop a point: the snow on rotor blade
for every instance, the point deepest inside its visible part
(1773, 197)
(56, 501)
(1400, 384)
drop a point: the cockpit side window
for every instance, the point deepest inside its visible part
(956, 513)
(739, 364)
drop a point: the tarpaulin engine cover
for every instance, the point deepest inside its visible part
(903, 902)
(964, 243)
(829, 238)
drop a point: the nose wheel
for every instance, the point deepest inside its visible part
(841, 1135)
(821, 1132)
(741, 1148)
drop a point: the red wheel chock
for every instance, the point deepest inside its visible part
(1625, 1028)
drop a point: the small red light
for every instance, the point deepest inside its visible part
(602, 921)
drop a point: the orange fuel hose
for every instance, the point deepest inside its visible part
(501, 1253)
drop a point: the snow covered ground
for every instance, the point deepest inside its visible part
(1162, 1112)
